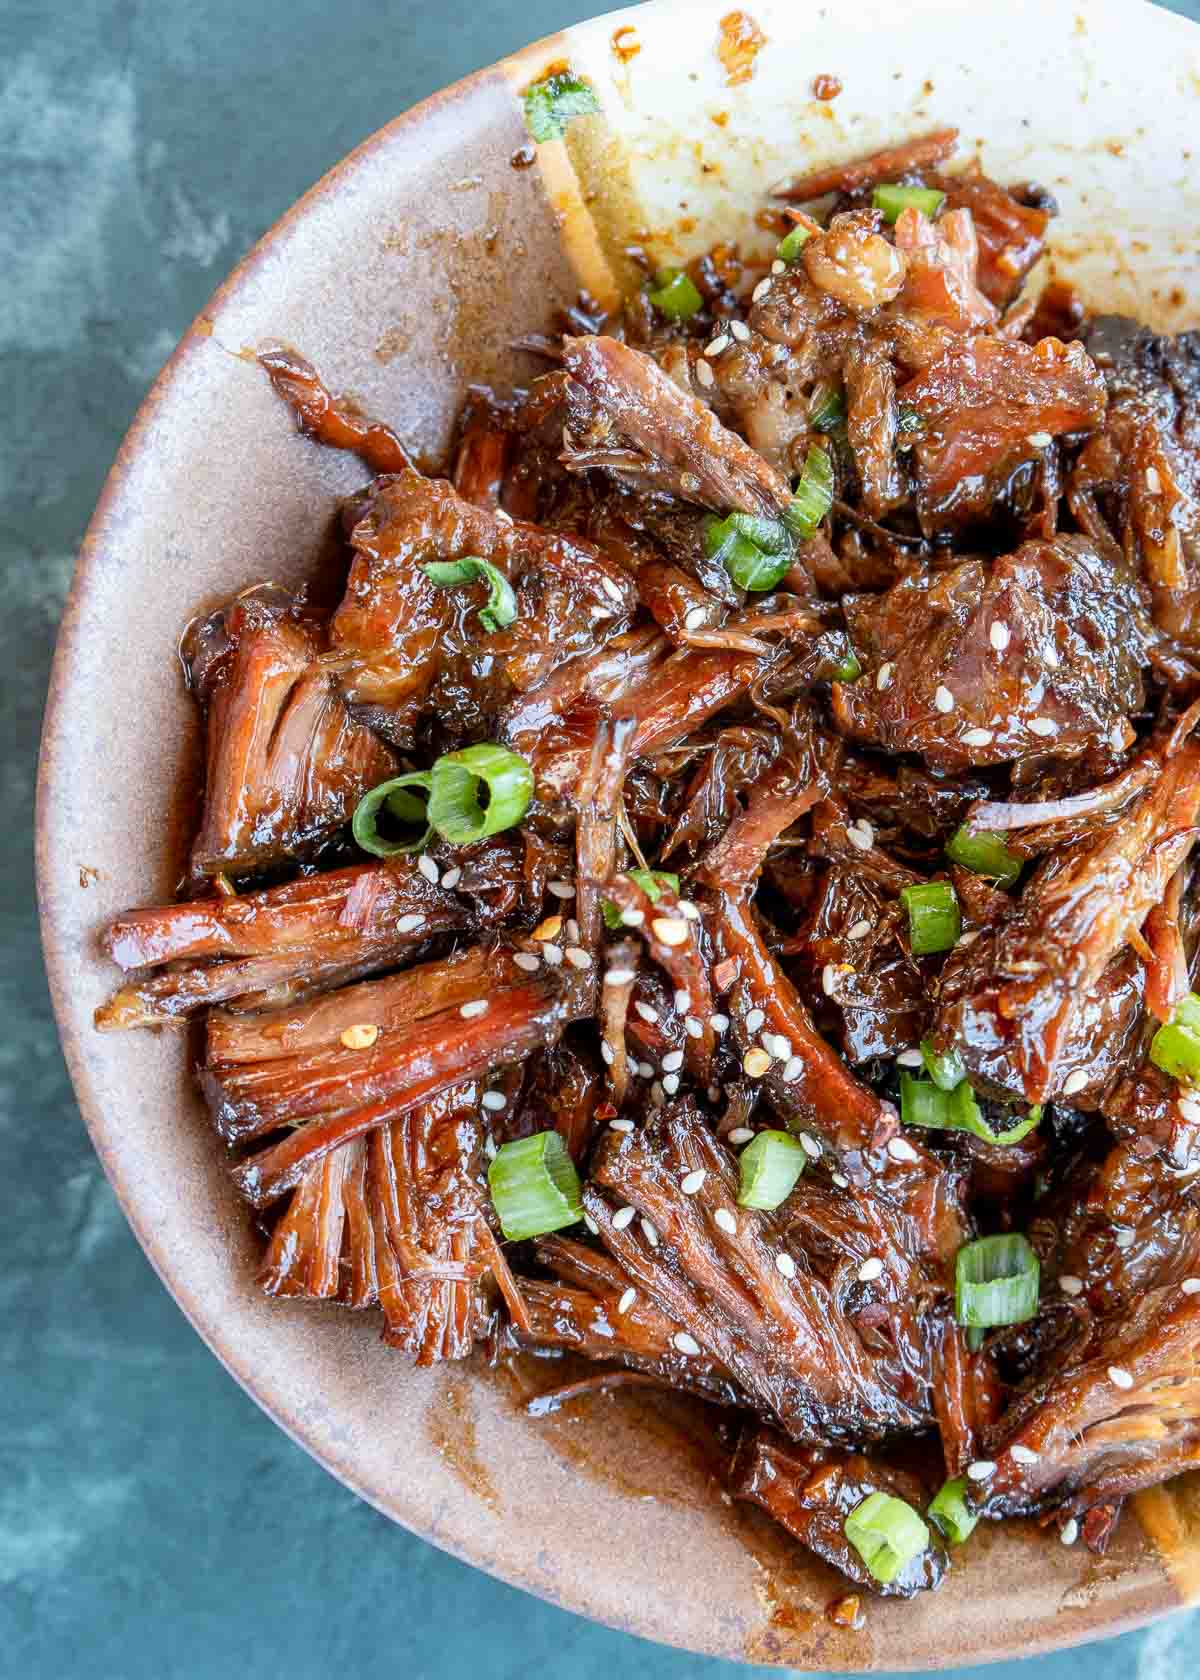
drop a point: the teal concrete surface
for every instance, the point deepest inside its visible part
(153, 1524)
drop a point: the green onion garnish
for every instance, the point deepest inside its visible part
(747, 564)
(886, 1533)
(934, 919)
(675, 294)
(1175, 1048)
(849, 670)
(392, 796)
(923, 1104)
(947, 1070)
(826, 407)
(768, 534)
(501, 606)
(948, 1512)
(770, 1166)
(551, 104)
(996, 1282)
(534, 1186)
(790, 246)
(891, 200)
(454, 806)
(653, 882)
(813, 496)
(955, 1110)
(984, 854)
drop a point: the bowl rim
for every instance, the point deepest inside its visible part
(521, 64)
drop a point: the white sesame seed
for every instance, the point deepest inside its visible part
(560, 889)
(645, 1070)
(451, 878)
(725, 1220)
(360, 1037)
(671, 930)
(645, 1011)
(978, 738)
(999, 635)
(861, 835)
(1119, 1377)
(685, 1343)
(1153, 481)
(883, 677)
(1043, 726)
(692, 1027)
(968, 938)
(611, 589)
(1051, 658)
(429, 869)
(495, 1100)
(860, 930)
(760, 291)
(754, 1020)
(719, 1023)
(901, 1150)
(793, 1068)
(743, 1134)
(623, 1216)
(670, 1083)
(620, 1125)
(552, 954)
(1023, 1455)
(633, 918)
(607, 1054)
(672, 1061)
(828, 979)
(1124, 1239)
(785, 1265)
(650, 1232)
(1191, 1286)
(704, 375)
(721, 342)
(693, 1181)
(740, 331)
(943, 699)
(1039, 440)
(688, 909)
(619, 977)
(870, 1269)
(1189, 1107)
(776, 1045)
(626, 1301)
(490, 1148)
(909, 1058)
(1069, 1532)
(477, 1006)
(527, 961)
(981, 1469)
(840, 1179)
(683, 1002)
(572, 930)
(810, 1145)
(756, 1062)
(1074, 1082)
(778, 266)
(410, 923)
(591, 1224)
(694, 617)
(1070, 1285)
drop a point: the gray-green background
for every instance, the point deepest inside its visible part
(153, 1523)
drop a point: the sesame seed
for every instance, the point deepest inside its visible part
(721, 342)
(607, 1054)
(1191, 1286)
(1051, 658)
(612, 589)
(683, 1002)
(409, 924)
(693, 1181)
(572, 930)
(650, 1232)
(1074, 1082)
(883, 677)
(740, 331)
(828, 979)
(810, 1145)
(1189, 1107)
(861, 835)
(909, 1058)
(860, 930)
(754, 1020)
(560, 889)
(644, 1010)
(689, 910)
(1119, 1377)
(793, 1068)
(490, 1148)
(778, 266)
(619, 977)
(633, 918)
(943, 699)
(776, 1045)
(840, 1179)
(704, 375)
(742, 1134)
(429, 869)
(620, 1125)
(527, 961)
(978, 738)
(591, 1224)
(623, 1216)
(692, 1027)
(1153, 481)
(1070, 1285)
(549, 929)
(685, 1343)
(672, 1061)
(360, 1037)
(694, 618)
(756, 1062)
(671, 930)
(495, 1100)
(670, 1083)
(1069, 1532)
(719, 1023)
(1043, 726)
(870, 1269)
(451, 878)
(725, 1220)
(901, 1150)
(760, 291)
(786, 1265)
(552, 954)
(981, 1469)
(645, 1070)
(1039, 440)
(1124, 1239)
(1023, 1455)
(477, 1006)
(627, 1300)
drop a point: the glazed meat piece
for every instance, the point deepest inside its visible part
(286, 763)
(811, 1491)
(1039, 652)
(334, 421)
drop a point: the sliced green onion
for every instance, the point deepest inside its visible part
(534, 1186)
(996, 1282)
(887, 1534)
(1175, 1047)
(1187, 1013)
(984, 854)
(923, 1104)
(849, 670)
(790, 245)
(501, 606)
(947, 1070)
(813, 496)
(948, 1512)
(554, 102)
(675, 294)
(826, 407)
(934, 920)
(747, 564)
(954, 1110)
(768, 534)
(392, 798)
(454, 806)
(892, 200)
(770, 1166)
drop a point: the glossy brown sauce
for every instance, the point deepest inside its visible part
(740, 42)
(450, 1428)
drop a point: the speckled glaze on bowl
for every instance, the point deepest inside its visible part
(405, 275)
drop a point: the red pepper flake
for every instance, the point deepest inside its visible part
(739, 45)
(605, 1111)
(725, 974)
(826, 87)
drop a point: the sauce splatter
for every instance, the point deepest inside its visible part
(739, 44)
(826, 87)
(625, 43)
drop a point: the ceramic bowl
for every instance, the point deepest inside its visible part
(405, 275)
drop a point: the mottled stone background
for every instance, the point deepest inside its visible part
(153, 1523)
